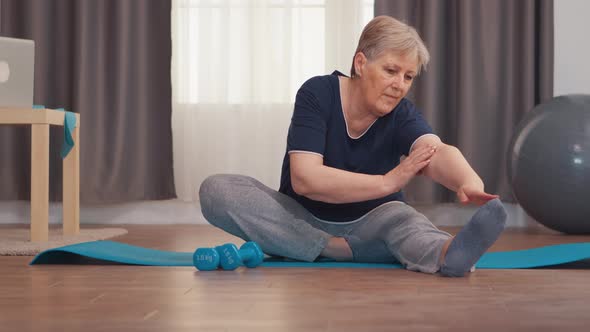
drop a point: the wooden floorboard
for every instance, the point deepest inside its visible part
(131, 298)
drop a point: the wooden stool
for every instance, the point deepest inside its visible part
(40, 120)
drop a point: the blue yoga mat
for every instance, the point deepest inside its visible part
(120, 253)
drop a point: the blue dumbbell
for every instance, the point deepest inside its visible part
(206, 259)
(231, 258)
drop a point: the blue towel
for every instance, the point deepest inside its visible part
(115, 252)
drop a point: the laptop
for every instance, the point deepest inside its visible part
(17, 65)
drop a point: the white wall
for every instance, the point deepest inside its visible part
(572, 47)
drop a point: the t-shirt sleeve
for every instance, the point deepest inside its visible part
(307, 131)
(411, 125)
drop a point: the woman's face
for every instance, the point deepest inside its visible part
(386, 80)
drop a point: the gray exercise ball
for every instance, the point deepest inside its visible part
(549, 164)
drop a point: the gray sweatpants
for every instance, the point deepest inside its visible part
(246, 208)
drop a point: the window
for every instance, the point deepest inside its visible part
(259, 51)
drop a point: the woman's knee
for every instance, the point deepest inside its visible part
(213, 194)
(220, 192)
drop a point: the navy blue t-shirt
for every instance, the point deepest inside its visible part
(318, 126)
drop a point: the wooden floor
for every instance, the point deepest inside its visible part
(131, 298)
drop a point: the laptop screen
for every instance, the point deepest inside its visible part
(17, 66)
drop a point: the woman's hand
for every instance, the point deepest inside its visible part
(398, 177)
(474, 194)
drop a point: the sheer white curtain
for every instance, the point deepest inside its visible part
(236, 67)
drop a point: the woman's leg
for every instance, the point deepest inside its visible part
(396, 231)
(246, 208)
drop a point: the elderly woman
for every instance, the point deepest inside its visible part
(340, 195)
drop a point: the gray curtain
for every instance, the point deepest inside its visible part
(108, 60)
(491, 62)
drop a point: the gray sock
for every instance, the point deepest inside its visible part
(474, 239)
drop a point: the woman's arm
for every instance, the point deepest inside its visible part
(312, 179)
(450, 168)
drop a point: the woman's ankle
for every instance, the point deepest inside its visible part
(337, 249)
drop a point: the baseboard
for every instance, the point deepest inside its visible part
(145, 212)
(180, 212)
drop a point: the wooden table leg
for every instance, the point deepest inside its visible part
(40, 182)
(71, 188)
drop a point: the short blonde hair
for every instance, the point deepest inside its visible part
(385, 33)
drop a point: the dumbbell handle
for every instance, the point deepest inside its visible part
(231, 257)
(246, 254)
(252, 254)
(207, 259)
